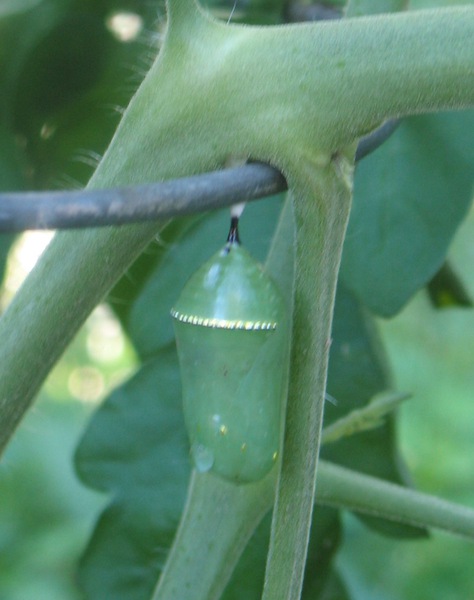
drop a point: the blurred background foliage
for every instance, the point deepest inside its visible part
(67, 70)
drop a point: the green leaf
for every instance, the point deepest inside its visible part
(67, 81)
(325, 538)
(127, 551)
(127, 290)
(357, 373)
(410, 197)
(335, 588)
(136, 450)
(447, 290)
(247, 579)
(11, 7)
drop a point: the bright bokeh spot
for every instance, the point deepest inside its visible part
(105, 341)
(23, 257)
(125, 26)
(86, 384)
(99, 359)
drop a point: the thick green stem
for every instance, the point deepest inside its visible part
(71, 278)
(343, 488)
(217, 522)
(322, 202)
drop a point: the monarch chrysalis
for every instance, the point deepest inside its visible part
(230, 330)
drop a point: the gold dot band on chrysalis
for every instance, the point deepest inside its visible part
(224, 323)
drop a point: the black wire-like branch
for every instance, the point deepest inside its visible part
(158, 201)
(20, 211)
(371, 142)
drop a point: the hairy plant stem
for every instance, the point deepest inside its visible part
(343, 488)
(322, 206)
(218, 520)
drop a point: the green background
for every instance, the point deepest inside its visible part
(46, 515)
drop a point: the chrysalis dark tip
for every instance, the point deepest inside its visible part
(233, 237)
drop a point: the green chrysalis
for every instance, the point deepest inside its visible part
(231, 330)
